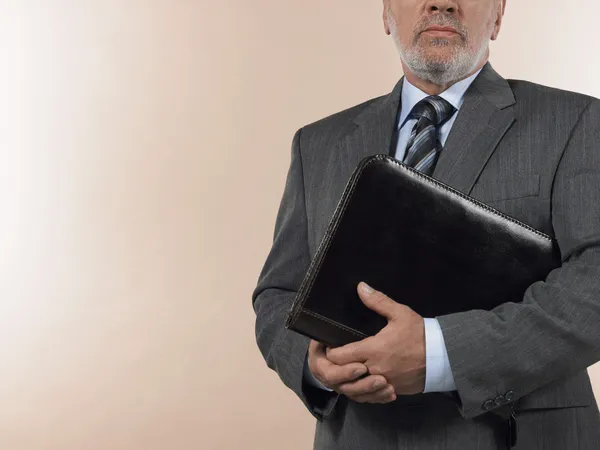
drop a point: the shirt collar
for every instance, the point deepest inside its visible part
(411, 95)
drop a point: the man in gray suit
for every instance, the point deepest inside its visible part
(514, 376)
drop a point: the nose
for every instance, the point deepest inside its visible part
(442, 6)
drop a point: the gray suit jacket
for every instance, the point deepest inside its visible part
(525, 149)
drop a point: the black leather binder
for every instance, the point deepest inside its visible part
(422, 243)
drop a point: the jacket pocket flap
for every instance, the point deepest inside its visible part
(507, 188)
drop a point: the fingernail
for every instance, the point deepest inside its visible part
(366, 288)
(359, 372)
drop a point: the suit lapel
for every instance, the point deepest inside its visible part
(373, 131)
(485, 116)
(483, 119)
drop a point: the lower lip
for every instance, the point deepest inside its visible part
(440, 33)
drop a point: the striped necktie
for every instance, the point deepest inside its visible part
(423, 147)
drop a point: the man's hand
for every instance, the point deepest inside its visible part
(397, 352)
(345, 379)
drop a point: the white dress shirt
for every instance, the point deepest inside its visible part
(438, 374)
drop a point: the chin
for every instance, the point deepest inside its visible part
(439, 59)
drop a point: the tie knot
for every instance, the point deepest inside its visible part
(434, 108)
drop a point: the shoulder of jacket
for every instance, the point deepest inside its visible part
(337, 123)
(523, 89)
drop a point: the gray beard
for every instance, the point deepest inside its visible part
(439, 72)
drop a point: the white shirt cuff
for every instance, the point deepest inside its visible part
(438, 374)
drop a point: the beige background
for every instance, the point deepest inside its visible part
(143, 149)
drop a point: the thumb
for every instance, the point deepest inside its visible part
(377, 301)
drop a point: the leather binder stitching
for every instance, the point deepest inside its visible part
(341, 208)
(324, 244)
(334, 323)
(462, 195)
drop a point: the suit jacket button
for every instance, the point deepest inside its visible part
(509, 396)
(499, 400)
(489, 404)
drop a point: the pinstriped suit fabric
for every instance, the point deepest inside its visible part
(526, 149)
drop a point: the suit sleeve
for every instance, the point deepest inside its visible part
(287, 262)
(519, 347)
